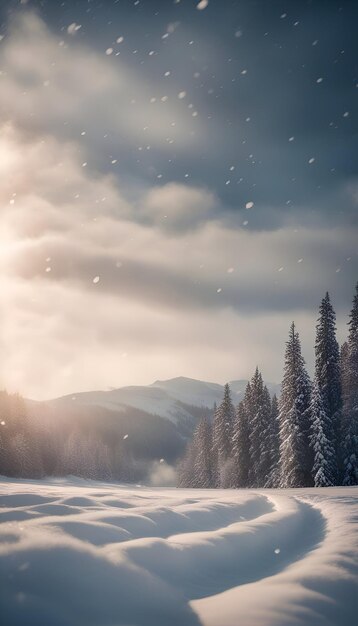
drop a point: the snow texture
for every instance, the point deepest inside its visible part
(77, 552)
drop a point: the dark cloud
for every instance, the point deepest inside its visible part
(201, 170)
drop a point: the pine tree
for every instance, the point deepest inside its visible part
(350, 407)
(324, 465)
(296, 459)
(274, 445)
(204, 466)
(186, 468)
(328, 373)
(260, 408)
(222, 431)
(241, 447)
(344, 354)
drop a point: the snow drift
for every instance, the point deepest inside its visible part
(77, 552)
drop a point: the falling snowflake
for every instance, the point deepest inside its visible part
(311, 160)
(96, 280)
(277, 551)
(249, 205)
(109, 51)
(202, 5)
(73, 28)
(120, 39)
(125, 437)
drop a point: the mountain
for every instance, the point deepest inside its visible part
(172, 399)
(154, 421)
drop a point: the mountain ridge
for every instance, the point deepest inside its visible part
(169, 398)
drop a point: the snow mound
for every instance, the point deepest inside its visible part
(75, 552)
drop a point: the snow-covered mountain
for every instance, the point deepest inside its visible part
(156, 420)
(172, 399)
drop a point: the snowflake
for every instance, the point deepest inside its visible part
(202, 5)
(73, 28)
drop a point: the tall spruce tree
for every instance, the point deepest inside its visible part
(260, 409)
(296, 459)
(241, 447)
(328, 374)
(344, 354)
(273, 445)
(350, 405)
(223, 431)
(324, 456)
(204, 461)
(186, 468)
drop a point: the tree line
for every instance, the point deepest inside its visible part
(34, 445)
(307, 437)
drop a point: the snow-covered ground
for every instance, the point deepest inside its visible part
(85, 553)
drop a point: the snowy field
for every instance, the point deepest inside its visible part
(86, 553)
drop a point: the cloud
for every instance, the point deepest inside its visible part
(185, 285)
(210, 302)
(67, 87)
(178, 207)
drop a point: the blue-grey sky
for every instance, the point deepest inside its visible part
(180, 182)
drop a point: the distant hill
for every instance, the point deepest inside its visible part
(172, 399)
(155, 420)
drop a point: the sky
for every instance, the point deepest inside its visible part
(178, 183)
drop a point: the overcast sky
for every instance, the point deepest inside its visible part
(178, 183)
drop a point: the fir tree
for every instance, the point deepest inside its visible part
(350, 408)
(204, 466)
(241, 447)
(296, 460)
(260, 408)
(186, 468)
(328, 373)
(324, 465)
(223, 431)
(273, 445)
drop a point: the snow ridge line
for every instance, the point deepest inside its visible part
(206, 563)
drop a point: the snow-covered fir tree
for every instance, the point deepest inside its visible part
(350, 401)
(296, 457)
(327, 372)
(324, 456)
(204, 462)
(186, 469)
(223, 432)
(273, 445)
(260, 409)
(241, 446)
